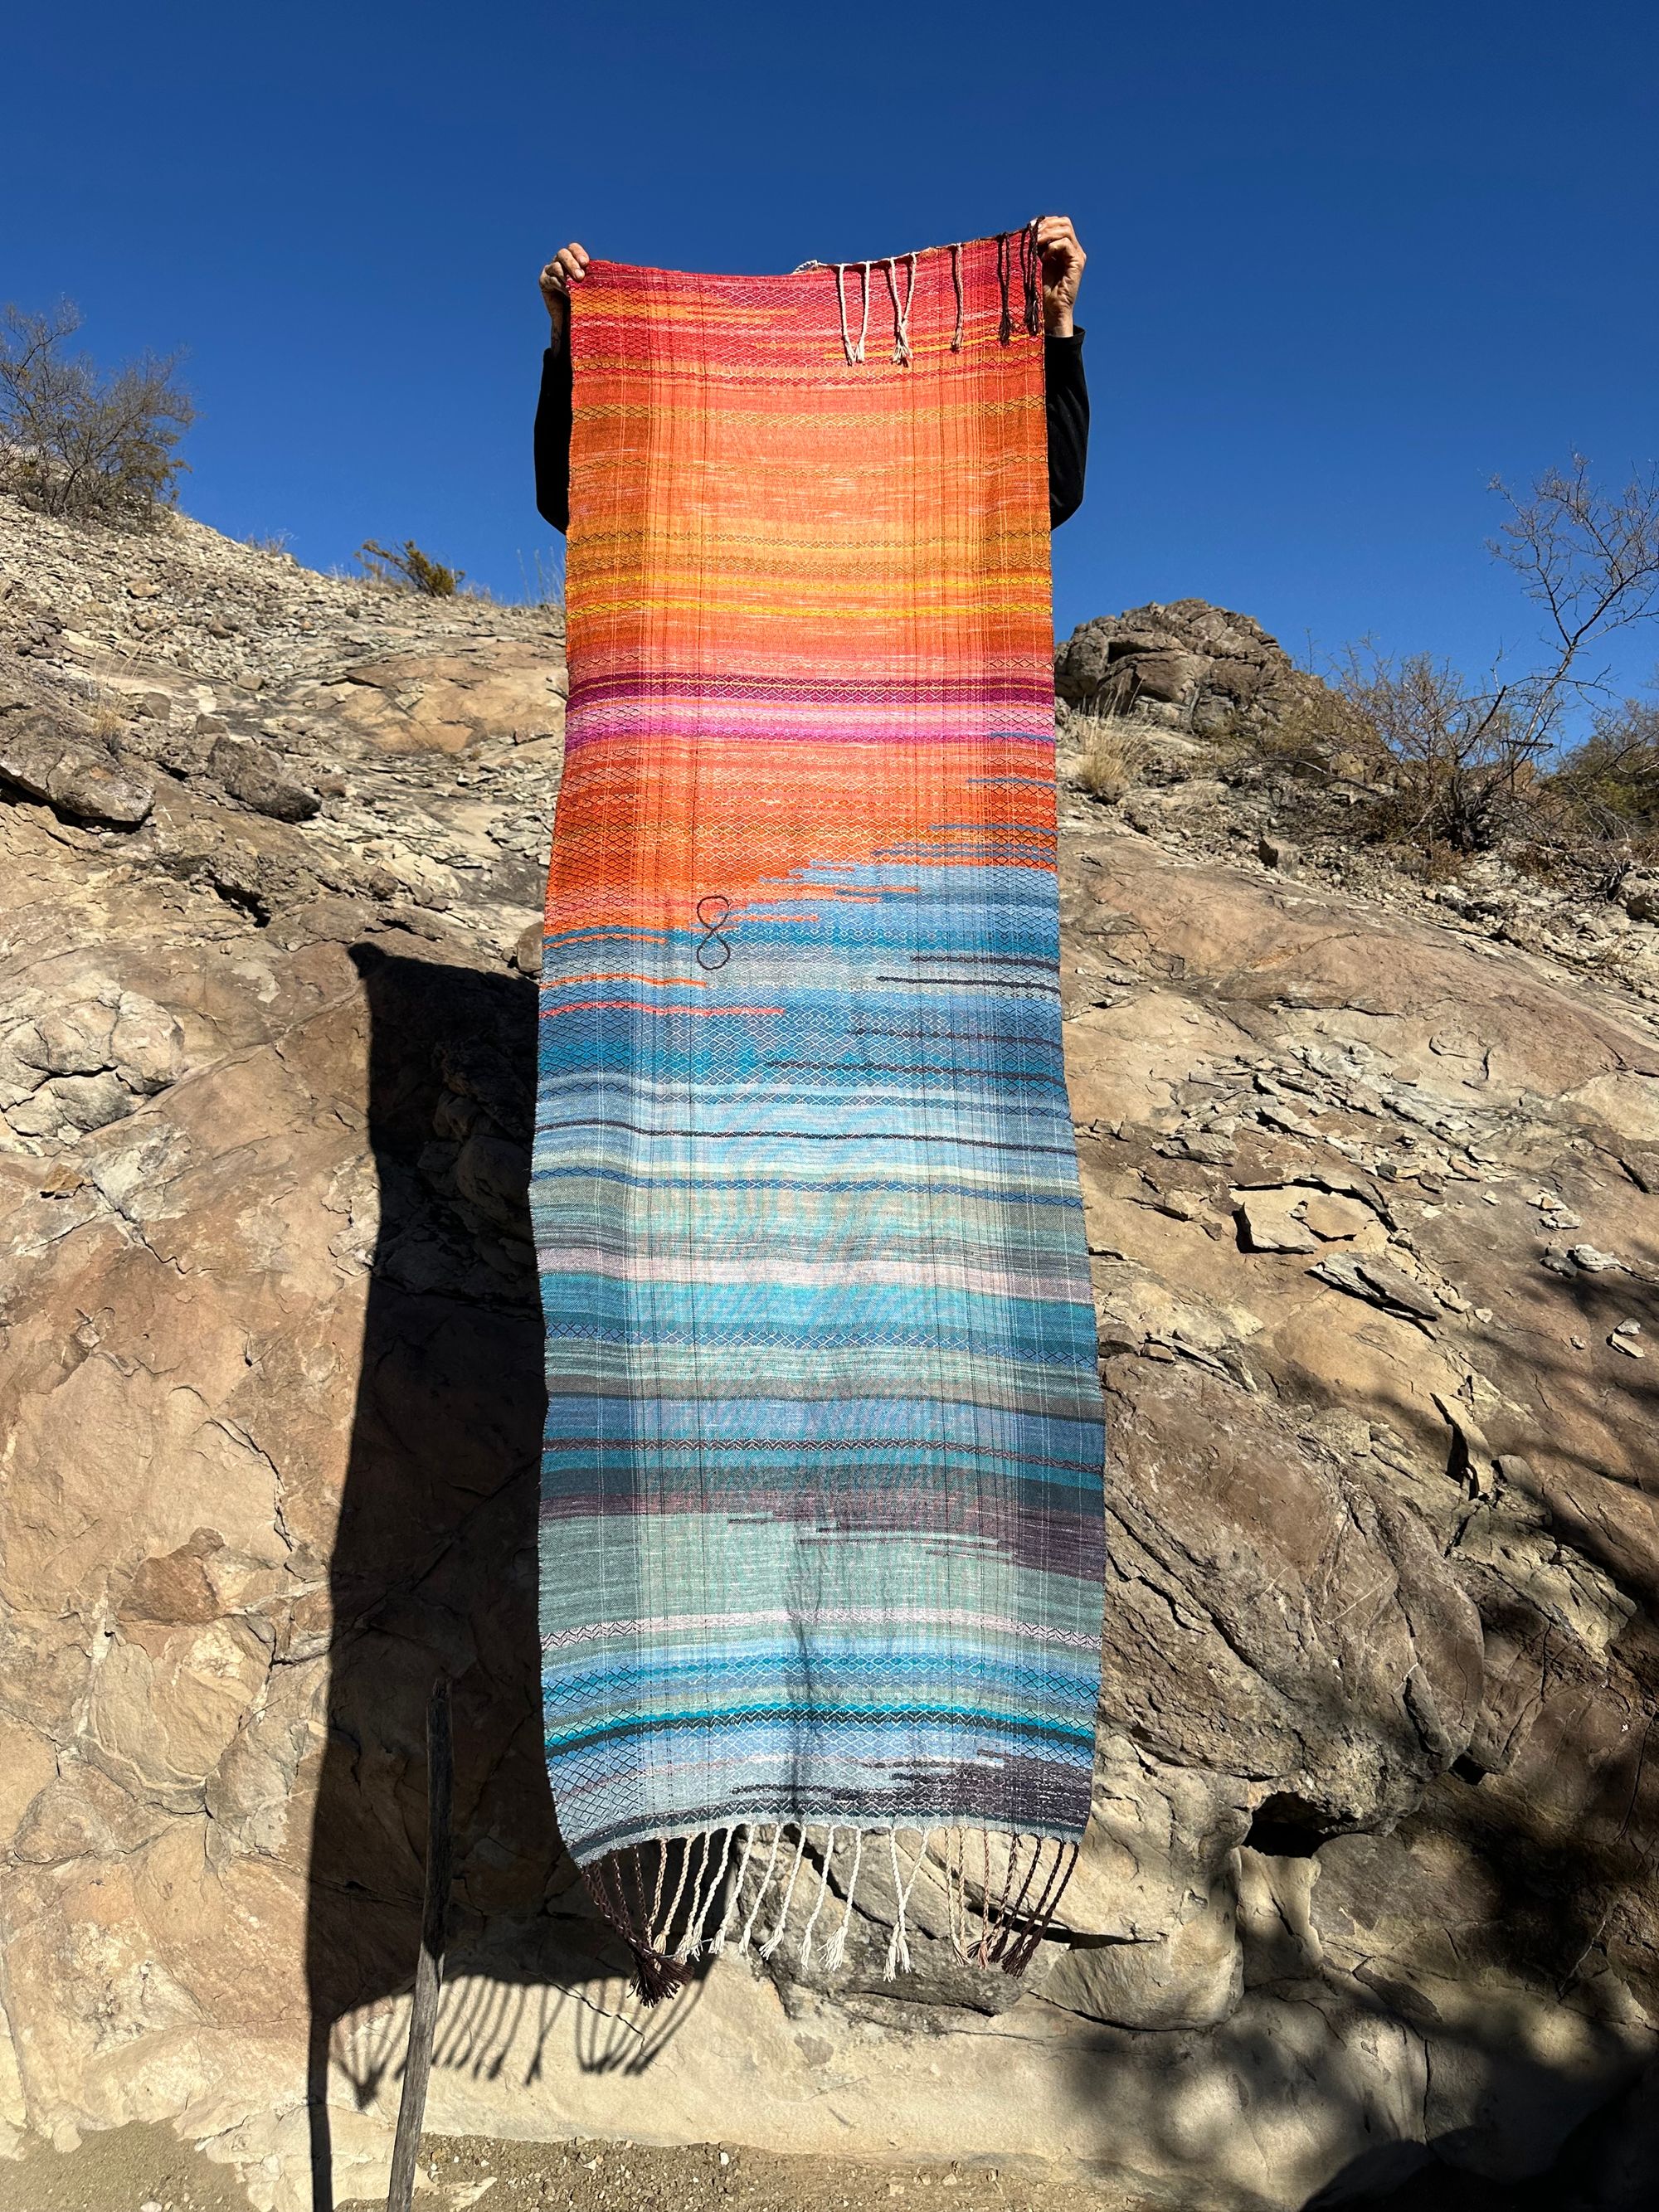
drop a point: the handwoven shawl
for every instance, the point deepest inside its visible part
(821, 1529)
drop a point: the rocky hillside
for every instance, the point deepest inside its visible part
(1368, 1892)
(1214, 741)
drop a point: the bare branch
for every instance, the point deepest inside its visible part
(1590, 559)
(1473, 761)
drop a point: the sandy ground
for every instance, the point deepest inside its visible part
(607, 2177)
(147, 2169)
(123, 2170)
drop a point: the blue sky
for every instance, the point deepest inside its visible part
(1346, 261)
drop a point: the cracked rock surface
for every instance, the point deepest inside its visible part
(1372, 1213)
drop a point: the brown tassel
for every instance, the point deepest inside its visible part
(655, 1976)
(1020, 1956)
(1030, 265)
(1000, 1931)
(1031, 279)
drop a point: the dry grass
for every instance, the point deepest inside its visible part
(1114, 754)
(107, 720)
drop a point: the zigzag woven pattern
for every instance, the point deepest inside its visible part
(822, 1519)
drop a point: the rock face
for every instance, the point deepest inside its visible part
(1368, 1880)
(1222, 668)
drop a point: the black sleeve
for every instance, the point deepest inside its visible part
(553, 438)
(1068, 425)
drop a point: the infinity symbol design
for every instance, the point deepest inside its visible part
(713, 923)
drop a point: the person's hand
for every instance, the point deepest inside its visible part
(1062, 272)
(568, 267)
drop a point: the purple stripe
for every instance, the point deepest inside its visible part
(1052, 1540)
(864, 695)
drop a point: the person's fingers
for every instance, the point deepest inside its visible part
(569, 266)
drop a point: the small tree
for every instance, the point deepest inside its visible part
(1608, 788)
(81, 441)
(412, 569)
(1471, 755)
(1462, 755)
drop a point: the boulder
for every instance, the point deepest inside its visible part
(76, 774)
(256, 775)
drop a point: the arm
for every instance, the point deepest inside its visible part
(566, 267)
(1068, 425)
(1067, 391)
(553, 438)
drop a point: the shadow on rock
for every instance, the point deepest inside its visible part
(434, 1567)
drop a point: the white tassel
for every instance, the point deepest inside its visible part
(659, 1931)
(954, 1896)
(823, 1891)
(656, 1895)
(898, 1947)
(777, 1936)
(718, 1942)
(765, 1884)
(855, 352)
(708, 1889)
(836, 1954)
(901, 310)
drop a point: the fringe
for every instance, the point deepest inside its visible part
(1019, 267)
(675, 1898)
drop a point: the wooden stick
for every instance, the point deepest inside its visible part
(429, 1967)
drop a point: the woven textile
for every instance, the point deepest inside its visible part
(822, 1518)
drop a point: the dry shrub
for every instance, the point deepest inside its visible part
(1598, 810)
(1318, 726)
(409, 570)
(106, 720)
(80, 441)
(1609, 786)
(1440, 863)
(1114, 754)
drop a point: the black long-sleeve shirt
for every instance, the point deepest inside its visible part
(1068, 431)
